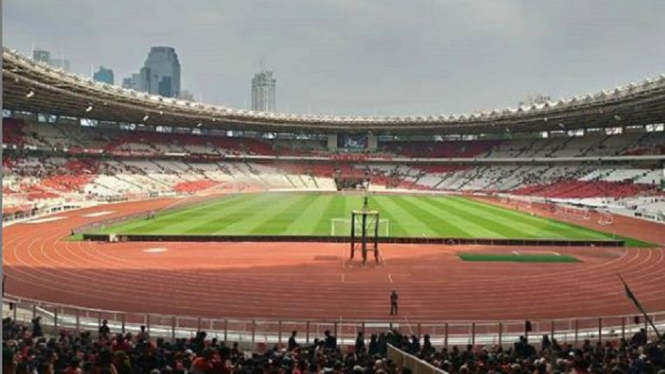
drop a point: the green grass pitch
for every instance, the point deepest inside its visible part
(511, 257)
(275, 213)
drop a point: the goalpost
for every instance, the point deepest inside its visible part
(342, 226)
(573, 212)
(605, 218)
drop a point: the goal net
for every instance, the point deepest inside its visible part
(605, 218)
(342, 226)
(572, 212)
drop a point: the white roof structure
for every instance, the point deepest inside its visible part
(57, 92)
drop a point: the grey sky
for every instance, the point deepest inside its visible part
(360, 56)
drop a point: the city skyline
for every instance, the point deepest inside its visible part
(363, 58)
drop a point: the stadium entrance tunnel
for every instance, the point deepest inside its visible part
(344, 239)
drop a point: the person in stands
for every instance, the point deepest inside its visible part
(331, 341)
(104, 330)
(292, 341)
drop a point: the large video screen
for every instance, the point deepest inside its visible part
(352, 141)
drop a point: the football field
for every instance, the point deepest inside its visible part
(329, 214)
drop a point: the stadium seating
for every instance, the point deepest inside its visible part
(142, 165)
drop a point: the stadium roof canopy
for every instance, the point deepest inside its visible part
(36, 87)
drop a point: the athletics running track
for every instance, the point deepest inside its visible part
(309, 281)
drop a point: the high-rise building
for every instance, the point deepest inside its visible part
(186, 95)
(263, 92)
(41, 55)
(139, 81)
(103, 75)
(164, 77)
(160, 74)
(60, 63)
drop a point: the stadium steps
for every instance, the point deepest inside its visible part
(69, 136)
(225, 170)
(445, 177)
(597, 146)
(316, 184)
(478, 172)
(560, 147)
(536, 150)
(290, 181)
(128, 181)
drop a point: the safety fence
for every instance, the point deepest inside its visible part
(258, 332)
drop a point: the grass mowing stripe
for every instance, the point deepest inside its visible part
(277, 220)
(267, 219)
(307, 221)
(334, 209)
(569, 230)
(182, 220)
(511, 227)
(303, 221)
(176, 221)
(209, 223)
(396, 227)
(462, 219)
(412, 225)
(566, 229)
(434, 218)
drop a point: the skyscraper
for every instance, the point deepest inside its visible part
(160, 74)
(103, 75)
(60, 63)
(186, 95)
(164, 77)
(41, 55)
(263, 92)
(139, 81)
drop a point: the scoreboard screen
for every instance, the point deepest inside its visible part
(352, 141)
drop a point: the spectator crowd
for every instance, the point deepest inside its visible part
(26, 350)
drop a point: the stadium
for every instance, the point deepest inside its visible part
(183, 217)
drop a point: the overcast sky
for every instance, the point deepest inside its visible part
(386, 57)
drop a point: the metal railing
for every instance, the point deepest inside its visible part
(257, 332)
(405, 360)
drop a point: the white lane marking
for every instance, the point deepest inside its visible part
(44, 220)
(98, 214)
(155, 250)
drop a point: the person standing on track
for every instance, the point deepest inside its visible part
(393, 303)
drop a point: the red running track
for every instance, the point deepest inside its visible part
(298, 281)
